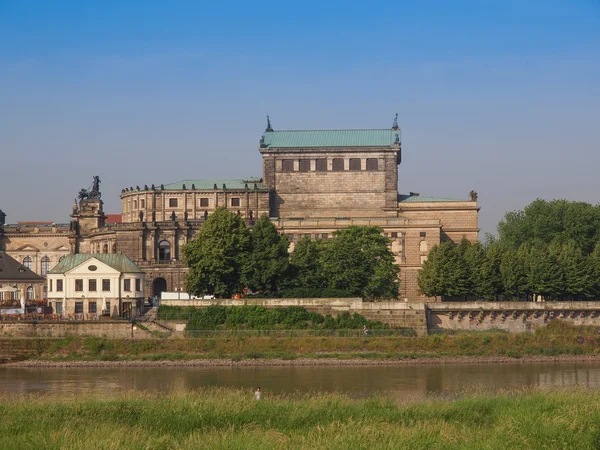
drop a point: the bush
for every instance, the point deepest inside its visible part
(261, 318)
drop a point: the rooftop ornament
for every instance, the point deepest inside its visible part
(215, 186)
(193, 187)
(268, 129)
(395, 124)
(224, 186)
(183, 186)
(153, 188)
(473, 195)
(397, 141)
(93, 192)
(137, 188)
(162, 187)
(145, 187)
(246, 186)
(262, 141)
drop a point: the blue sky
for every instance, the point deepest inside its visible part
(498, 96)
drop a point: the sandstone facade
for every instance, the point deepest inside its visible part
(313, 183)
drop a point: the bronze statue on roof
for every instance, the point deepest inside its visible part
(93, 192)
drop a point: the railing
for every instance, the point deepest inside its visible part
(34, 317)
(398, 332)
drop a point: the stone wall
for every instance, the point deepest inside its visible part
(509, 316)
(114, 330)
(393, 313)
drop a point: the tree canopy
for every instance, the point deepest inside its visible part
(217, 255)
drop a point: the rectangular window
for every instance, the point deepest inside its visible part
(108, 307)
(394, 235)
(138, 284)
(59, 285)
(79, 285)
(92, 285)
(235, 201)
(372, 164)
(304, 165)
(423, 234)
(142, 203)
(135, 204)
(321, 165)
(50, 283)
(106, 285)
(338, 164)
(354, 163)
(287, 165)
(324, 236)
(92, 308)
(127, 285)
(204, 202)
(78, 307)
(172, 203)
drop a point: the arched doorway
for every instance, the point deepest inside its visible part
(158, 285)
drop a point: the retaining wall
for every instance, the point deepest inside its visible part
(393, 313)
(115, 330)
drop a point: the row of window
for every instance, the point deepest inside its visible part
(93, 285)
(174, 202)
(28, 262)
(16, 295)
(337, 165)
(92, 307)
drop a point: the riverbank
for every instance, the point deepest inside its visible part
(323, 361)
(558, 340)
(228, 418)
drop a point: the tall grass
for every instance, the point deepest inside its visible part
(232, 419)
(556, 339)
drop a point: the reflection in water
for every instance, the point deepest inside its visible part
(410, 381)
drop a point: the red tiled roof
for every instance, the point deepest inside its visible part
(113, 218)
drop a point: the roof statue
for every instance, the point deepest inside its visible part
(93, 192)
(397, 141)
(395, 124)
(473, 196)
(268, 124)
(2, 217)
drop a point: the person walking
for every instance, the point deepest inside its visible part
(257, 393)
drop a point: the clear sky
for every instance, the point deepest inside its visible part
(502, 97)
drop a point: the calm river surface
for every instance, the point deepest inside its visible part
(410, 381)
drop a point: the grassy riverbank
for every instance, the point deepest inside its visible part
(555, 340)
(232, 419)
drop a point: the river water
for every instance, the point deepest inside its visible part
(401, 381)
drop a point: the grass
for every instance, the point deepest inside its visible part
(231, 419)
(556, 339)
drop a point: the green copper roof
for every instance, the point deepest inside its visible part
(117, 261)
(331, 138)
(210, 184)
(424, 199)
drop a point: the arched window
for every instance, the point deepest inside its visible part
(105, 248)
(354, 163)
(114, 247)
(28, 262)
(45, 265)
(30, 295)
(164, 251)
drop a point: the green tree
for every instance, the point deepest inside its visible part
(267, 265)
(358, 261)
(577, 270)
(545, 221)
(491, 278)
(513, 271)
(594, 262)
(216, 255)
(544, 273)
(306, 266)
(476, 259)
(446, 272)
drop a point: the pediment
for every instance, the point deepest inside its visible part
(62, 248)
(27, 248)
